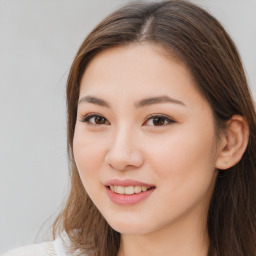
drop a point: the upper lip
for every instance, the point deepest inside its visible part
(126, 183)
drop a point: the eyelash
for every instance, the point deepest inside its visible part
(87, 118)
(165, 119)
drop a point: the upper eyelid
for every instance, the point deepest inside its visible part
(160, 115)
(91, 115)
(169, 120)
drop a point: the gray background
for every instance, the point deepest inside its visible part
(38, 40)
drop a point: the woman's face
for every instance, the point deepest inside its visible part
(144, 144)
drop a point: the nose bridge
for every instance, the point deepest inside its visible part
(123, 136)
(123, 149)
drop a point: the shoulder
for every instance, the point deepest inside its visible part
(29, 250)
(58, 247)
(52, 248)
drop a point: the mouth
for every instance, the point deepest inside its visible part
(129, 190)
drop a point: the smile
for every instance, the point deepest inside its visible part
(130, 190)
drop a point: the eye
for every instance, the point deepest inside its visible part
(95, 119)
(158, 120)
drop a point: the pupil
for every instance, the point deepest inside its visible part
(158, 121)
(99, 120)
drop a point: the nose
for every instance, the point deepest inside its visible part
(123, 152)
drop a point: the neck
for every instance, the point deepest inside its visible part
(185, 237)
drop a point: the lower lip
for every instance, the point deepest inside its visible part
(122, 199)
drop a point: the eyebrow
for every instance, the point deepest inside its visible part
(94, 100)
(141, 103)
(158, 100)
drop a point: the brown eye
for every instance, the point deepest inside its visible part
(158, 120)
(95, 119)
(99, 120)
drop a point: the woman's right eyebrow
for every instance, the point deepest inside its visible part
(94, 100)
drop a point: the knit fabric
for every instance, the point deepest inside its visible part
(51, 248)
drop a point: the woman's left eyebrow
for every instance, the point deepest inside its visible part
(158, 100)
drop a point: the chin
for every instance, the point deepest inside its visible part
(129, 227)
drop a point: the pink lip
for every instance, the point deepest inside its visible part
(122, 199)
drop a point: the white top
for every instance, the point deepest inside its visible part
(53, 248)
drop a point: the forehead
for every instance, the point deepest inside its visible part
(136, 71)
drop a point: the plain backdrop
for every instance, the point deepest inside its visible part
(38, 40)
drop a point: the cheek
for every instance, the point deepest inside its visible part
(89, 156)
(185, 171)
(184, 157)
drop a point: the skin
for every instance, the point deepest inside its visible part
(178, 157)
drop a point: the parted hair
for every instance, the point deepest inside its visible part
(197, 39)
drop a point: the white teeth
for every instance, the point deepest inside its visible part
(120, 190)
(137, 189)
(130, 190)
(144, 189)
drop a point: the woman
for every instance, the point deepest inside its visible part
(161, 139)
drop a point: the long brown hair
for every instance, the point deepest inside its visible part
(201, 43)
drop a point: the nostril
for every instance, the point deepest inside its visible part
(118, 166)
(122, 159)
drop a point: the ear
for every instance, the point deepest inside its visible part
(233, 143)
